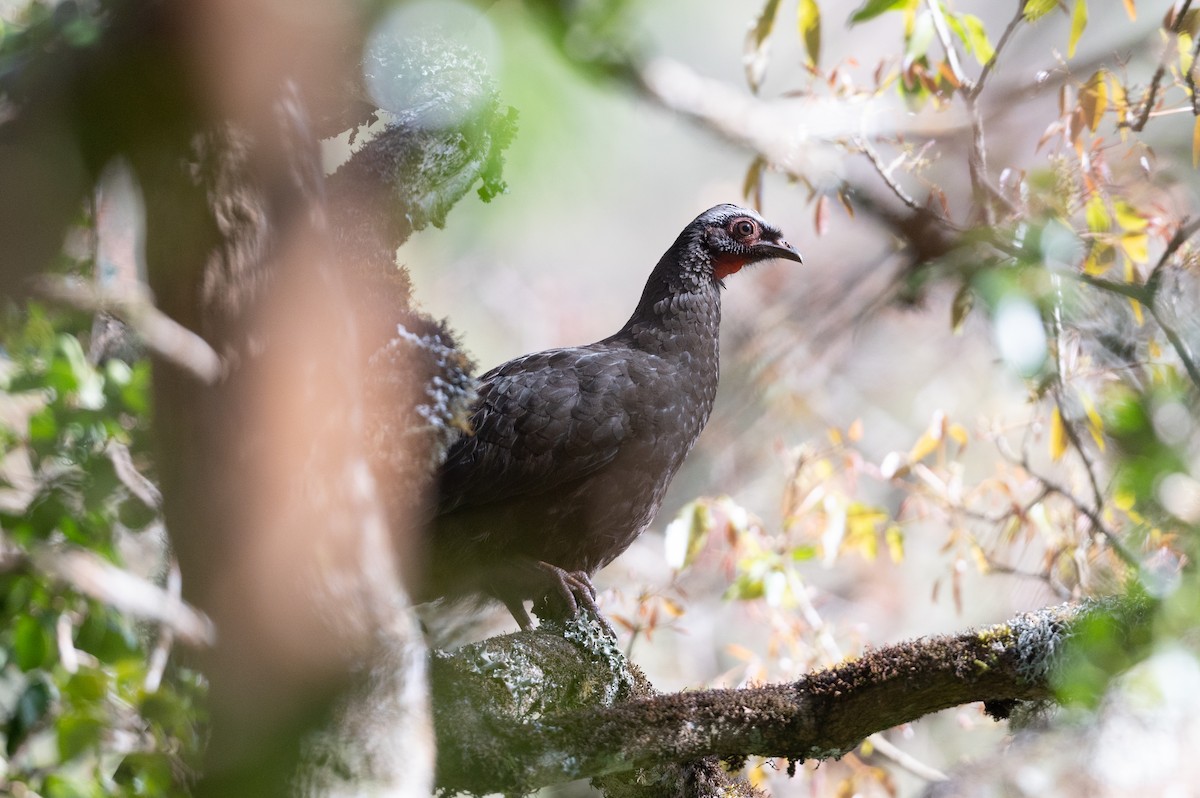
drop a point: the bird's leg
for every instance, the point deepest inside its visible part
(516, 606)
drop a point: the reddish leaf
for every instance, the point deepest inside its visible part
(821, 215)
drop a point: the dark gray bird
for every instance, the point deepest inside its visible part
(573, 449)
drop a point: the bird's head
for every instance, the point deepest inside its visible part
(730, 237)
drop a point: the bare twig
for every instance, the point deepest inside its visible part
(1182, 350)
(943, 34)
(1189, 78)
(1145, 295)
(1077, 445)
(1005, 37)
(162, 335)
(136, 483)
(977, 158)
(166, 634)
(1156, 80)
(885, 173)
(1187, 228)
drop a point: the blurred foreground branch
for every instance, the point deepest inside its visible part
(502, 734)
(162, 335)
(96, 578)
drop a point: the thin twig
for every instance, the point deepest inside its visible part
(1077, 444)
(1005, 37)
(1049, 486)
(1144, 295)
(1190, 80)
(1187, 228)
(166, 635)
(1182, 350)
(1156, 80)
(886, 174)
(943, 34)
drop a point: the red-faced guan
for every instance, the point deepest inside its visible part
(572, 450)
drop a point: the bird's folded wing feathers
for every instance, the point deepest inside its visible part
(543, 421)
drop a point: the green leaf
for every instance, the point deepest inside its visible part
(70, 785)
(809, 21)
(755, 56)
(960, 308)
(77, 733)
(1079, 20)
(87, 685)
(31, 643)
(27, 716)
(873, 8)
(1036, 9)
(976, 38)
(804, 552)
(922, 36)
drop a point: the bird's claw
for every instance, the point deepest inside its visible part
(576, 590)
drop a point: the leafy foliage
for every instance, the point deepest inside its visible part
(88, 706)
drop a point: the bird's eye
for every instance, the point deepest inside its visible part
(744, 228)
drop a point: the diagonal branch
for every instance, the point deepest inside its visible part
(497, 735)
(164, 336)
(1147, 104)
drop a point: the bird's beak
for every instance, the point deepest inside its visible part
(778, 249)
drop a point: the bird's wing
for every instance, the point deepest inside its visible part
(543, 420)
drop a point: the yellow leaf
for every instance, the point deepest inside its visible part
(1123, 499)
(959, 433)
(1196, 143)
(1138, 315)
(1136, 246)
(1099, 260)
(1130, 10)
(1128, 217)
(1036, 9)
(835, 436)
(1184, 43)
(894, 537)
(672, 607)
(981, 561)
(1095, 423)
(1058, 435)
(924, 447)
(964, 300)
(757, 775)
(1096, 213)
(1120, 101)
(1079, 20)
(1130, 275)
(1153, 349)
(1093, 100)
(809, 19)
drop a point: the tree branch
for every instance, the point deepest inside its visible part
(1147, 103)
(501, 731)
(99, 579)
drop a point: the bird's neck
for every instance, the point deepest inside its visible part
(680, 308)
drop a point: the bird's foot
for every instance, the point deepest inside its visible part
(576, 591)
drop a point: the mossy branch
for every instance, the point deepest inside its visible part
(531, 709)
